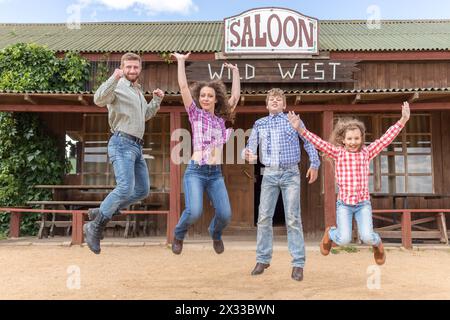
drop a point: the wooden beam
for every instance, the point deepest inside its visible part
(77, 228)
(14, 225)
(328, 175)
(356, 99)
(82, 100)
(146, 57)
(414, 97)
(391, 55)
(73, 108)
(425, 106)
(27, 98)
(242, 101)
(175, 181)
(442, 226)
(406, 230)
(373, 107)
(347, 55)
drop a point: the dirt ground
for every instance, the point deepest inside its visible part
(153, 272)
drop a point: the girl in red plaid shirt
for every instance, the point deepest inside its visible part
(352, 158)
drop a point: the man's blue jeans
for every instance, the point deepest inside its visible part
(288, 182)
(131, 173)
(197, 179)
(363, 215)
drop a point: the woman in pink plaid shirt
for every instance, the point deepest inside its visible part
(208, 108)
(352, 160)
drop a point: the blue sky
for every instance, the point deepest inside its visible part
(43, 11)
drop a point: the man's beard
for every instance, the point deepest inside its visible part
(132, 80)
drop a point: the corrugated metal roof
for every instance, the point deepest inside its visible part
(118, 37)
(206, 36)
(328, 91)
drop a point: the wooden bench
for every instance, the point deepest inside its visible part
(76, 222)
(79, 196)
(404, 229)
(130, 224)
(46, 224)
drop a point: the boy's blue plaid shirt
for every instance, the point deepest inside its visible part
(279, 144)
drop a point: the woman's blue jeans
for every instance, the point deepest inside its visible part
(197, 180)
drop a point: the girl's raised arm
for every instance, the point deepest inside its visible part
(324, 146)
(386, 139)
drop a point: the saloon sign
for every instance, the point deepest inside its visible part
(271, 30)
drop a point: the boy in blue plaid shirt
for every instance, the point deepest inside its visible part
(280, 154)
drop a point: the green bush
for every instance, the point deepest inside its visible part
(28, 155)
(72, 73)
(28, 66)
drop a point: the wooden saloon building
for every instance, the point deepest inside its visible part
(327, 69)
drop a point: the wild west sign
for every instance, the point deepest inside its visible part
(260, 71)
(270, 30)
(278, 33)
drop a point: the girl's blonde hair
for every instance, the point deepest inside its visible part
(342, 126)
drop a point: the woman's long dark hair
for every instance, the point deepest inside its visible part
(222, 108)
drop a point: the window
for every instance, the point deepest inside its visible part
(95, 166)
(96, 170)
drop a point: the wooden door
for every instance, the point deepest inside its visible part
(239, 179)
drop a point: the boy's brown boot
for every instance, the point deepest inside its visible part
(325, 244)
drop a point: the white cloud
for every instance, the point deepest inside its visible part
(151, 6)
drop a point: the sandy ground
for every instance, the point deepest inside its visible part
(153, 272)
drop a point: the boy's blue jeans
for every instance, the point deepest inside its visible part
(288, 182)
(363, 215)
(131, 174)
(197, 180)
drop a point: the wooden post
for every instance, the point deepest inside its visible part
(406, 230)
(175, 181)
(77, 228)
(328, 175)
(442, 226)
(14, 225)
